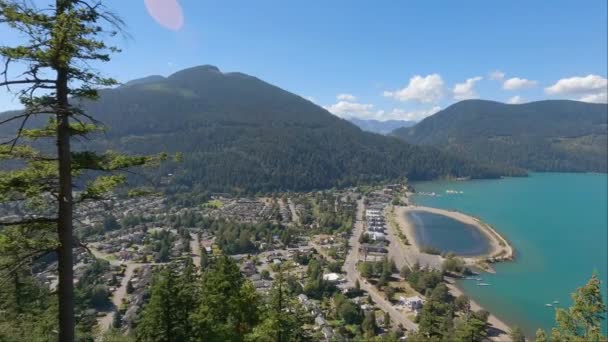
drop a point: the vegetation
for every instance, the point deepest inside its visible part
(454, 265)
(583, 320)
(54, 76)
(380, 270)
(422, 280)
(229, 146)
(555, 135)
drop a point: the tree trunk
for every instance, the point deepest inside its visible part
(64, 223)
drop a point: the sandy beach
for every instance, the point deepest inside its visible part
(498, 330)
(500, 250)
(500, 247)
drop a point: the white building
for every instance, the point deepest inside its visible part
(332, 277)
(376, 236)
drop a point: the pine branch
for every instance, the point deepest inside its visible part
(29, 221)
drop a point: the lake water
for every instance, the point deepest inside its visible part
(447, 234)
(558, 224)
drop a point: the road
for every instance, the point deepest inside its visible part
(294, 214)
(105, 322)
(195, 250)
(407, 255)
(352, 274)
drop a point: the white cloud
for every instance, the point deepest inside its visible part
(421, 89)
(414, 115)
(518, 83)
(466, 90)
(311, 99)
(497, 75)
(346, 97)
(597, 98)
(347, 109)
(516, 100)
(590, 88)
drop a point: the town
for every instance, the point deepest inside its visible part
(348, 258)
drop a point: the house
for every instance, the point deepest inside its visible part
(376, 236)
(413, 303)
(375, 228)
(248, 268)
(369, 249)
(369, 213)
(332, 277)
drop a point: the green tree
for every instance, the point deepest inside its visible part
(160, 319)
(229, 305)
(117, 320)
(366, 270)
(583, 320)
(204, 259)
(517, 335)
(60, 43)
(282, 317)
(389, 291)
(462, 303)
(541, 336)
(368, 326)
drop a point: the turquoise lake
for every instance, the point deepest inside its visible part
(448, 235)
(558, 224)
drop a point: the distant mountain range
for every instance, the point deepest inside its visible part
(241, 134)
(381, 127)
(553, 135)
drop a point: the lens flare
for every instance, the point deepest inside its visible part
(168, 13)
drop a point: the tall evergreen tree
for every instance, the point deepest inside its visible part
(54, 78)
(228, 307)
(583, 320)
(283, 316)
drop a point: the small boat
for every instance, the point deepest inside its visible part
(556, 302)
(549, 304)
(483, 284)
(478, 279)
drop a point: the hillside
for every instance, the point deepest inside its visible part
(381, 127)
(239, 133)
(553, 135)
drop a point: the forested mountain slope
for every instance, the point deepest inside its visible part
(553, 135)
(238, 133)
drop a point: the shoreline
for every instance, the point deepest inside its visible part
(500, 249)
(498, 330)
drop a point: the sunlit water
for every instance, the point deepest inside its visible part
(558, 224)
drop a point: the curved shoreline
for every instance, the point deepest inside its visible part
(500, 249)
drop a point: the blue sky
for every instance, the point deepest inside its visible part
(388, 59)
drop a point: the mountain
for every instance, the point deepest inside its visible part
(381, 127)
(553, 135)
(239, 133)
